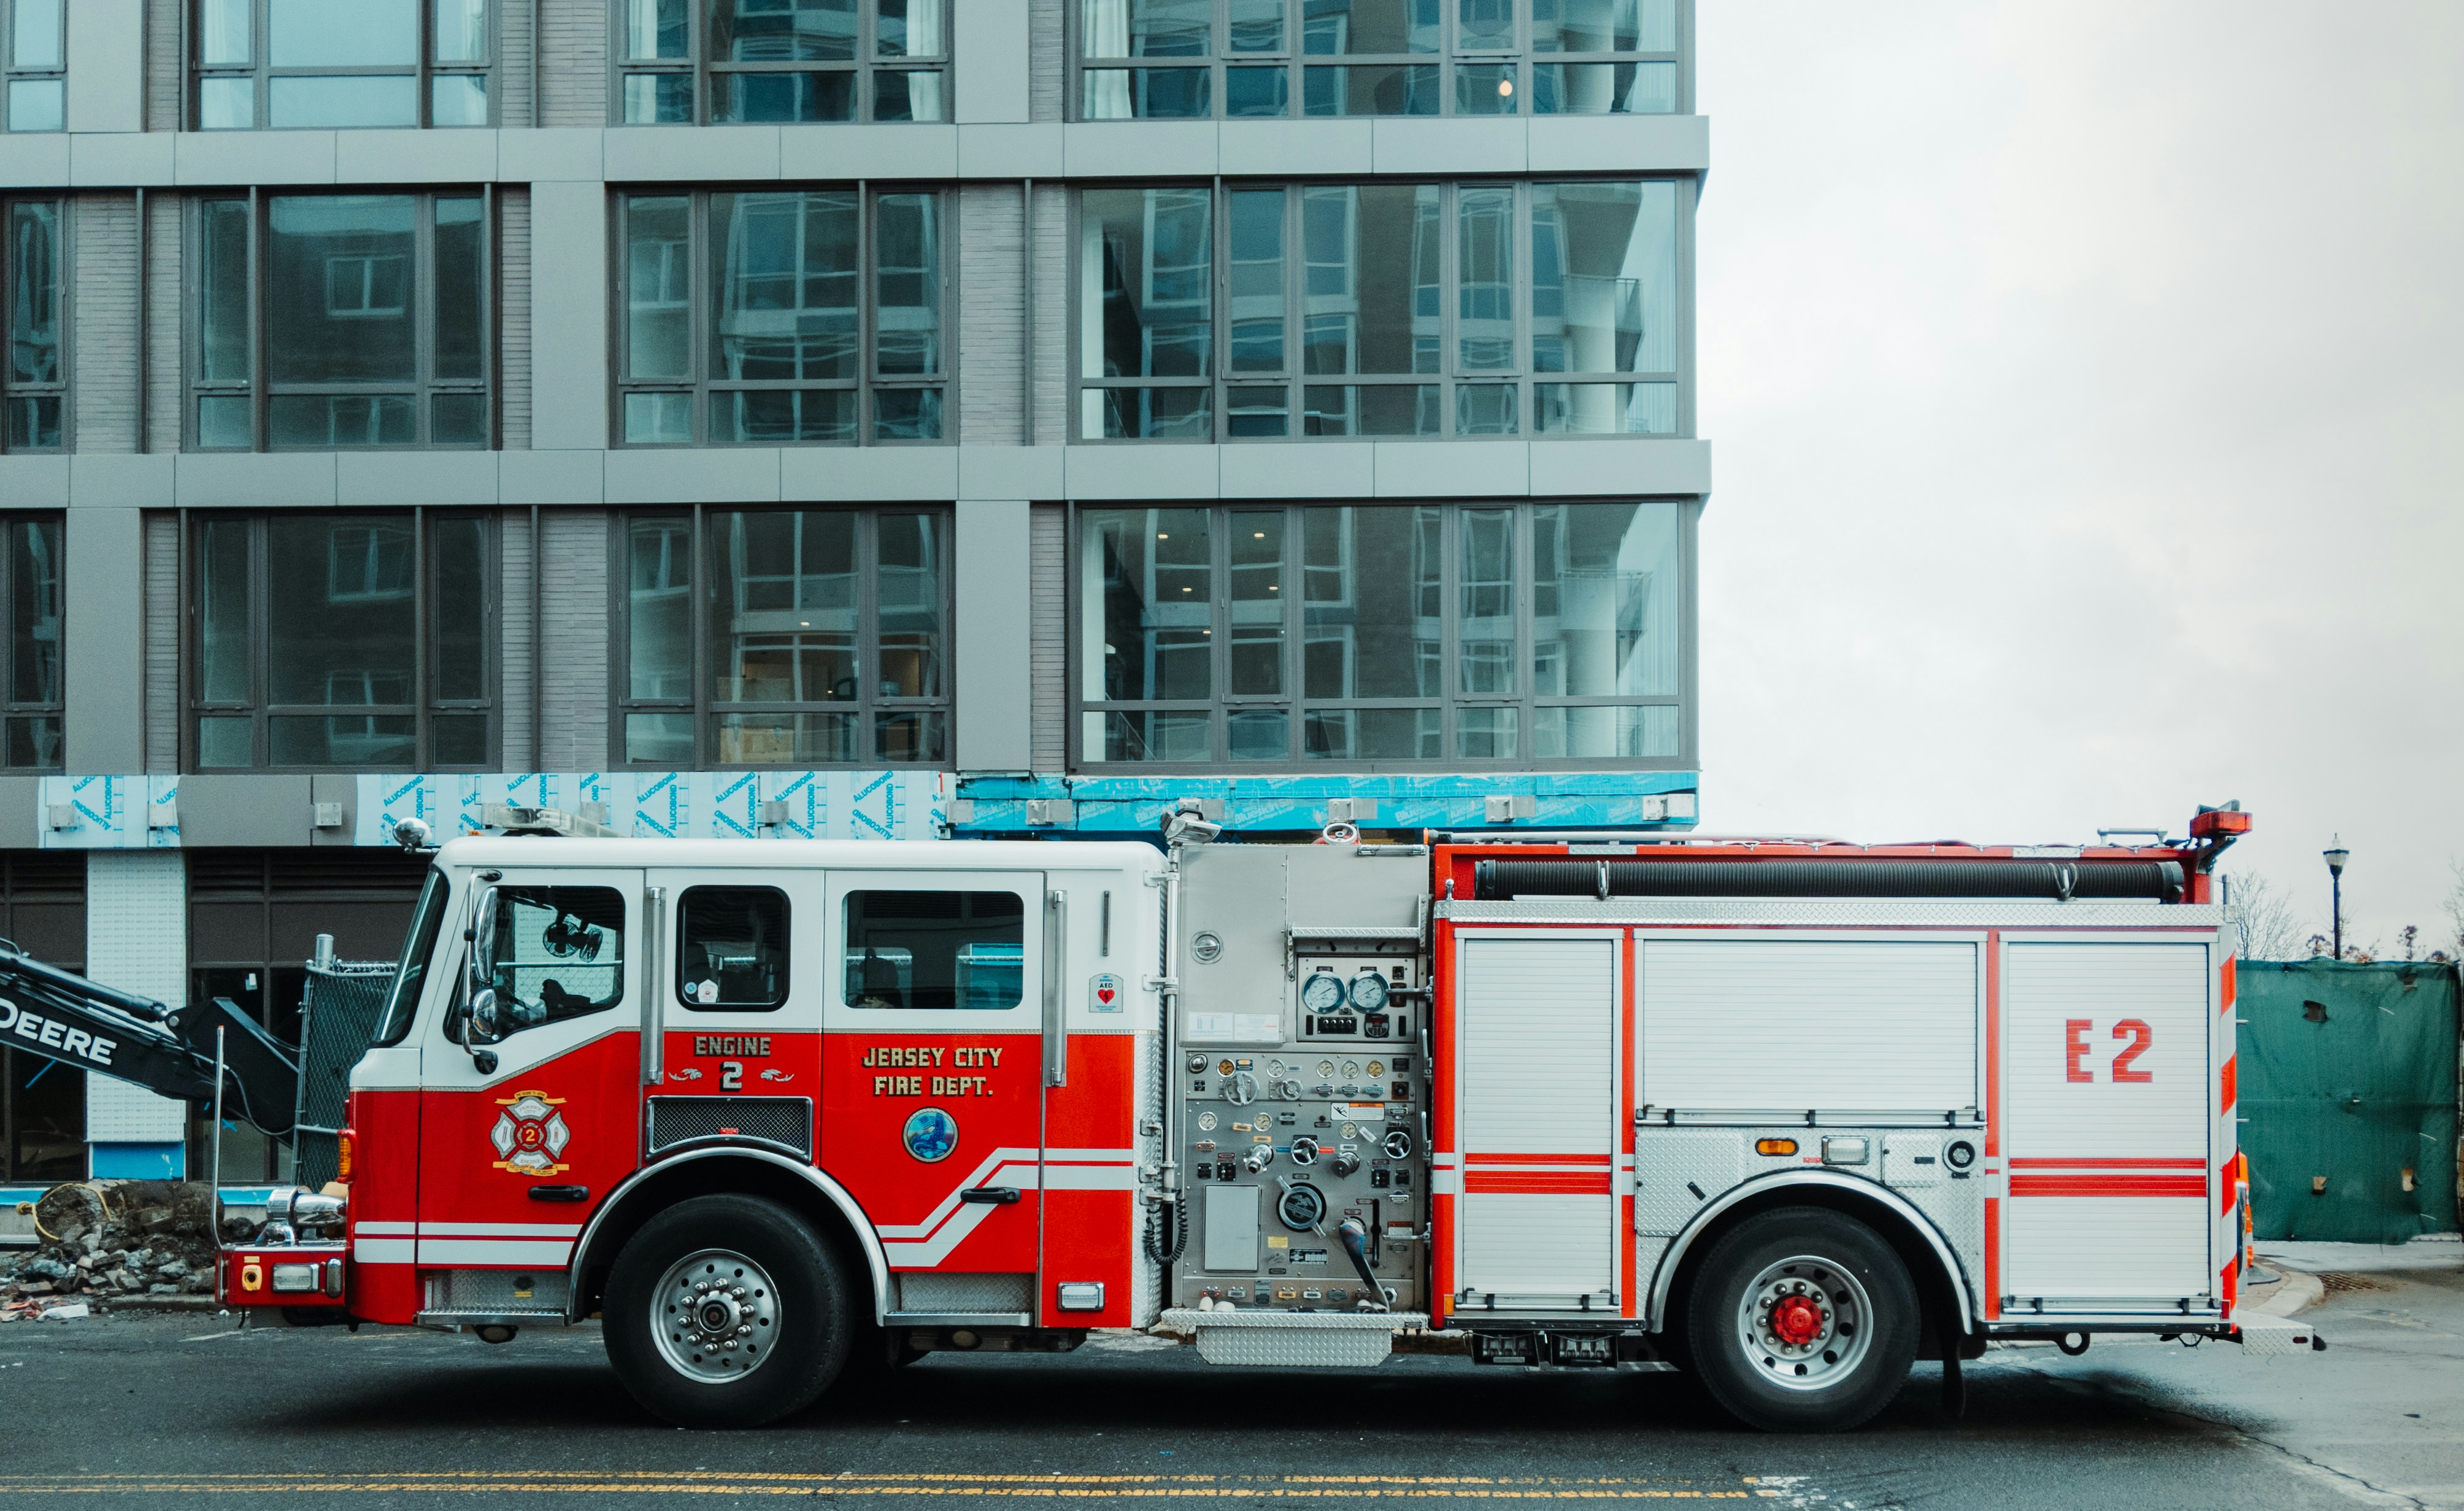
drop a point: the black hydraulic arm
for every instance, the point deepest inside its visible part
(53, 1012)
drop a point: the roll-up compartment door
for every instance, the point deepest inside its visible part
(1537, 1094)
(2105, 1125)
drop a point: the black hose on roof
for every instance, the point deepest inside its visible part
(1585, 875)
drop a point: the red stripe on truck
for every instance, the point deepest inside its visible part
(2109, 1185)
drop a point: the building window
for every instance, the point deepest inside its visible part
(725, 63)
(331, 321)
(342, 63)
(254, 917)
(818, 637)
(358, 642)
(35, 378)
(33, 59)
(1152, 59)
(42, 1101)
(783, 317)
(1383, 310)
(30, 605)
(1436, 636)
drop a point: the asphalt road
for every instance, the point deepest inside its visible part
(143, 1409)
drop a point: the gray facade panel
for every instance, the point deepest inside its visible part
(117, 481)
(1669, 467)
(1048, 530)
(992, 340)
(214, 159)
(106, 65)
(734, 475)
(255, 810)
(34, 159)
(853, 152)
(19, 796)
(1267, 470)
(382, 479)
(575, 634)
(513, 318)
(1452, 468)
(103, 324)
(163, 641)
(992, 58)
(993, 685)
(710, 154)
(103, 160)
(1296, 146)
(414, 157)
(568, 316)
(228, 481)
(536, 476)
(33, 480)
(867, 475)
(103, 648)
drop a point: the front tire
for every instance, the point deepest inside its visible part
(726, 1311)
(1802, 1321)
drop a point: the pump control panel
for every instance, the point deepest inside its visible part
(1304, 1161)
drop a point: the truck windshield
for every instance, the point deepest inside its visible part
(402, 1002)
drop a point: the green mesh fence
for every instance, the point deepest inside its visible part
(2349, 1097)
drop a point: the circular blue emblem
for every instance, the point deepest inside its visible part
(931, 1134)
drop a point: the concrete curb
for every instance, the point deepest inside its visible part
(2299, 1289)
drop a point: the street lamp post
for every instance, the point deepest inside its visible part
(2336, 855)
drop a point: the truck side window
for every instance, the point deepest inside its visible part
(559, 953)
(734, 954)
(936, 949)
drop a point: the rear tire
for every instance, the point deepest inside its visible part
(1802, 1321)
(726, 1311)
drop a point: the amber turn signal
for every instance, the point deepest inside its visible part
(1774, 1146)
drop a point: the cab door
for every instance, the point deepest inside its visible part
(932, 1074)
(739, 1000)
(514, 1156)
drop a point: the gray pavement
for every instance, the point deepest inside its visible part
(145, 1408)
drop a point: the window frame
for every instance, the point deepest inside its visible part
(423, 388)
(700, 67)
(12, 72)
(1449, 699)
(1294, 60)
(64, 319)
(16, 707)
(786, 948)
(703, 708)
(1450, 378)
(703, 388)
(260, 70)
(424, 707)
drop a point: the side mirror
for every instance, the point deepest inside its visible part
(478, 992)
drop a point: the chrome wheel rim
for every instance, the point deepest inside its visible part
(1804, 1324)
(716, 1315)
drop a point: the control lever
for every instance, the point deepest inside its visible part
(1356, 1243)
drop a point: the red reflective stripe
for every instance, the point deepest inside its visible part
(1537, 1159)
(2228, 1091)
(1538, 1183)
(2108, 1185)
(2110, 1165)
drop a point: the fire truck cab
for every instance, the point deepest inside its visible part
(1793, 1114)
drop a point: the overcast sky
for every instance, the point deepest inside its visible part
(2085, 385)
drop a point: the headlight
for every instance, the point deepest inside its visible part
(301, 1278)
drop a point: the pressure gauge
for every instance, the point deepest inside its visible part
(1351, 1070)
(1368, 993)
(1275, 1069)
(1206, 1122)
(1322, 993)
(1326, 1067)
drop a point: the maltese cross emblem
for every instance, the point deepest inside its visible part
(530, 1134)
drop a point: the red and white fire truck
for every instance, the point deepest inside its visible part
(1789, 1114)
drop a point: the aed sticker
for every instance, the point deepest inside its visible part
(706, 992)
(1103, 994)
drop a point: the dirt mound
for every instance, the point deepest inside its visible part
(122, 1240)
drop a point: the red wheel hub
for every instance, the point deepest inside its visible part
(1796, 1321)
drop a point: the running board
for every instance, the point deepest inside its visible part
(1292, 1340)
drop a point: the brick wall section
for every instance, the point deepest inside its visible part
(513, 84)
(163, 641)
(103, 364)
(514, 234)
(573, 63)
(990, 358)
(1051, 378)
(575, 631)
(162, 327)
(1047, 635)
(163, 84)
(1047, 61)
(514, 640)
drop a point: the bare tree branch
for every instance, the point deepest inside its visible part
(2262, 923)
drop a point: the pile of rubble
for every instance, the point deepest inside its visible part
(128, 1241)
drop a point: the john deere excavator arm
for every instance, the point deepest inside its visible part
(49, 1012)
